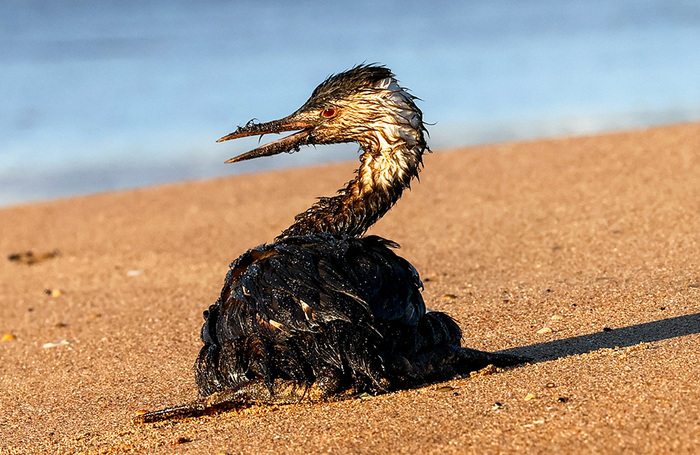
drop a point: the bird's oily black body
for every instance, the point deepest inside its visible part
(339, 312)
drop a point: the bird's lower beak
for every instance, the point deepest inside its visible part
(289, 144)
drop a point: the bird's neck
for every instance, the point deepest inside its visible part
(387, 168)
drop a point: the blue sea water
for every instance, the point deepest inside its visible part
(104, 95)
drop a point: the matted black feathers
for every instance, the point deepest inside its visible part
(338, 86)
(321, 308)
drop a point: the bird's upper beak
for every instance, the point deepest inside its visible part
(289, 143)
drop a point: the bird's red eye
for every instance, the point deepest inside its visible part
(330, 112)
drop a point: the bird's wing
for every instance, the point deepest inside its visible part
(299, 283)
(292, 287)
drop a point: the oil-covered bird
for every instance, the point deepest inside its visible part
(324, 310)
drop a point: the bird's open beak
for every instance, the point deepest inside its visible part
(289, 144)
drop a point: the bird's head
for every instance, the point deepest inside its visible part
(364, 104)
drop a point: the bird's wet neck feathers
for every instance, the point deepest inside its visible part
(388, 164)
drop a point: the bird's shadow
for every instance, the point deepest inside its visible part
(620, 337)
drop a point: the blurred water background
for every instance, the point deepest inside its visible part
(105, 95)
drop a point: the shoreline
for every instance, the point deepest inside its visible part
(580, 251)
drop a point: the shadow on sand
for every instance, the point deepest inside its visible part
(622, 337)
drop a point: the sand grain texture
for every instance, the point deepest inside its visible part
(582, 252)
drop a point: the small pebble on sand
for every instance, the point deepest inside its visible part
(445, 388)
(55, 343)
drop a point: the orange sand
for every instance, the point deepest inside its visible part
(539, 248)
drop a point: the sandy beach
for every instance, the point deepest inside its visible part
(583, 253)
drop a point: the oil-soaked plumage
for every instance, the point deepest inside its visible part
(322, 310)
